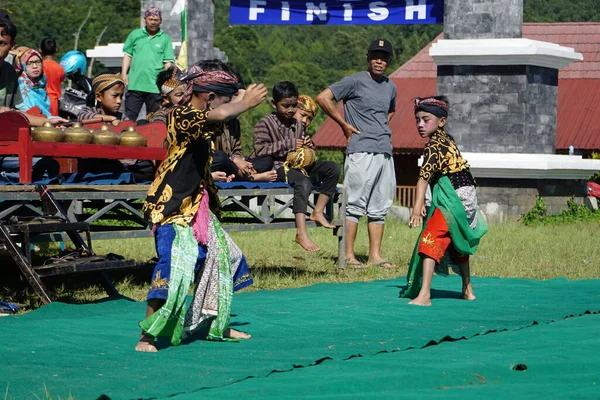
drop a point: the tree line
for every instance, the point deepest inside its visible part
(313, 57)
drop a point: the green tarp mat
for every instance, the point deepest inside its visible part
(559, 360)
(87, 350)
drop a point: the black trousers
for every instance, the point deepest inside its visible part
(134, 100)
(222, 162)
(325, 173)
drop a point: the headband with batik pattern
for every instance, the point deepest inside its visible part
(106, 81)
(307, 103)
(153, 11)
(171, 83)
(199, 80)
(431, 105)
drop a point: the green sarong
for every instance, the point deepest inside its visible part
(168, 320)
(464, 239)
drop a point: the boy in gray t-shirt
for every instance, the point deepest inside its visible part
(369, 100)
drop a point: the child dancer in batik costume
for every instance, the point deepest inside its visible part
(182, 204)
(453, 224)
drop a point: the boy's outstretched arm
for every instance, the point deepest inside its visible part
(254, 95)
(416, 218)
(326, 100)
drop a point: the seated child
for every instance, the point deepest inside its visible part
(307, 110)
(280, 134)
(171, 91)
(453, 226)
(104, 102)
(105, 99)
(32, 82)
(229, 164)
(182, 203)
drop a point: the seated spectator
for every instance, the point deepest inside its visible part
(32, 82)
(307, 110)
(280, 136)
(10, 94)
(229, 164)
(105, 99)
(55, 74)
(172, 92)
(105, 102)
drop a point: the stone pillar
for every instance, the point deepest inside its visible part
(503, 93)
(502, 89)
(200, 24)
(483, 19)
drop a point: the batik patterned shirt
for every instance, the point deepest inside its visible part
(175, 194)
(441, 157)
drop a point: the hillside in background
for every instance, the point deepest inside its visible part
(313, 57)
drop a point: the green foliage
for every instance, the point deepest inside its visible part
(313, 57)
(61, 20)
(575, 213)
(561, 11)
(537, 214)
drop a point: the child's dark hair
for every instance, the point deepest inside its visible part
(283, 90)
(442, 98)
(215, 65)
(8, 28)
(48, 46)
(164, 76)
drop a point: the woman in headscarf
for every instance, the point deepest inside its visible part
(32, 82)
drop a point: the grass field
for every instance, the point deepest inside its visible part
(277, 262)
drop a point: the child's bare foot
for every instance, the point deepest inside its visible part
(421, 301)
(269, 176)
(146, 345)
(468, 293)
(235, 334)
(321, 219)
(306, 243)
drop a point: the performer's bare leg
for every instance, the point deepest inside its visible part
(146, 343)
(424, 297)
(465, 273)
(235, 334)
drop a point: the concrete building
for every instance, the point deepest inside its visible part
(513, 120)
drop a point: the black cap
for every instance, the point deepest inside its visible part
(4, 15)
(382, 45)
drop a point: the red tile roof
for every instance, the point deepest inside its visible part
(578, 111)
(578, 90)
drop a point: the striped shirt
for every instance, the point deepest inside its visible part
(159, 115)
(273, 138)
(93, 112)
(230, 142)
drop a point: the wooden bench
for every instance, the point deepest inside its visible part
(15, 140)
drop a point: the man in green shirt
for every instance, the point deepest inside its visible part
(147, 51)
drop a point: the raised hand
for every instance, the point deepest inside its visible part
(255, 94)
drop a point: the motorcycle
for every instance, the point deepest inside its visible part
(73, 99)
